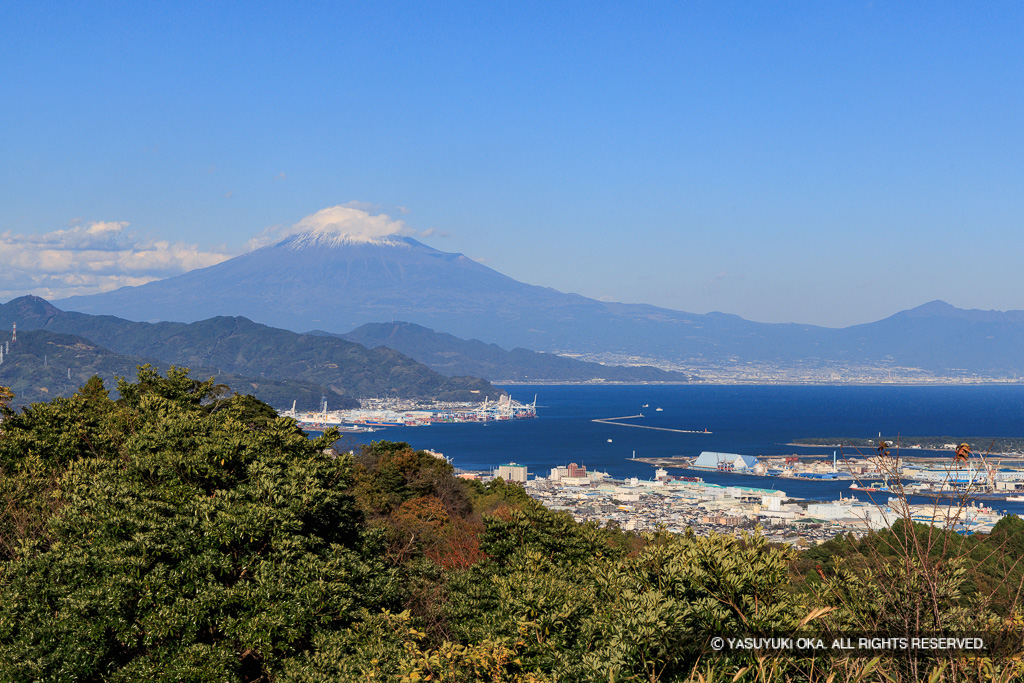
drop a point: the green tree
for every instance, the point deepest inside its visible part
(181, 543)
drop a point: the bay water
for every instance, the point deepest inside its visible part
(752, 420)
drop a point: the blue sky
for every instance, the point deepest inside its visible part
(826, 163)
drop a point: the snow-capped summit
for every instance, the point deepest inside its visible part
(340, 226)
(329, 240)
(372, 272)
(335, 280)
(343, 267)
(333, 273)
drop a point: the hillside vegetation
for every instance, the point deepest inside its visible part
(177, 533)
(267, 360)
(44, 365)
(453, 357)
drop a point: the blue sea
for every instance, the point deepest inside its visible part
(752, 420)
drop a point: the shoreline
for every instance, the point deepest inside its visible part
(679, 463)
(944, 382)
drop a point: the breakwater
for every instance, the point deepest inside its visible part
(614, 421)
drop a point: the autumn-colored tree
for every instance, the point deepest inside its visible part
(6, 396)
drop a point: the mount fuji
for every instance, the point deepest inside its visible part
(334, 282)
(322, 280)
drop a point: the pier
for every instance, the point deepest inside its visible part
(614, 421)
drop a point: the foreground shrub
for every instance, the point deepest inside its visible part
(179, 539)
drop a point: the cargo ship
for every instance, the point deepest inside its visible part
(870, 488)
(320, 425)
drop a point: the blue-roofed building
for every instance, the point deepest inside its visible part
(709, 460)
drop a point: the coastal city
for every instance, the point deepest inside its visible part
(687, 503)
(925, 486)
(738, 371)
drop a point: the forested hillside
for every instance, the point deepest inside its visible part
(43, 365)
(270, 358)
(453, 357)
(180, 534)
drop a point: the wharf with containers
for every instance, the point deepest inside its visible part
(984, 479)
(378, 413)
(677, 504)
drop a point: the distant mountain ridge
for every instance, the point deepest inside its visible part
(236, 346)
(452, 356)
(940, 309)
(44, 365)
(939, 337)
(303, 283)
(334, 283)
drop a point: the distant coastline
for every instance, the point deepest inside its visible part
(939, 382)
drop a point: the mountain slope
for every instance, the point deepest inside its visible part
(304, 283)
(333, 283)
(940, 338)
(37, 367)
(452, 356)
(43, 365)
(237, 346)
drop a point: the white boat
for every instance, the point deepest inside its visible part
(657, 410)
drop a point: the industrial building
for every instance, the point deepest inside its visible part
(709, 460)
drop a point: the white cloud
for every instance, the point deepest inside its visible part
(368, 207)
(348, 220)
(353, 220)
(91, 258)
(104, 255)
